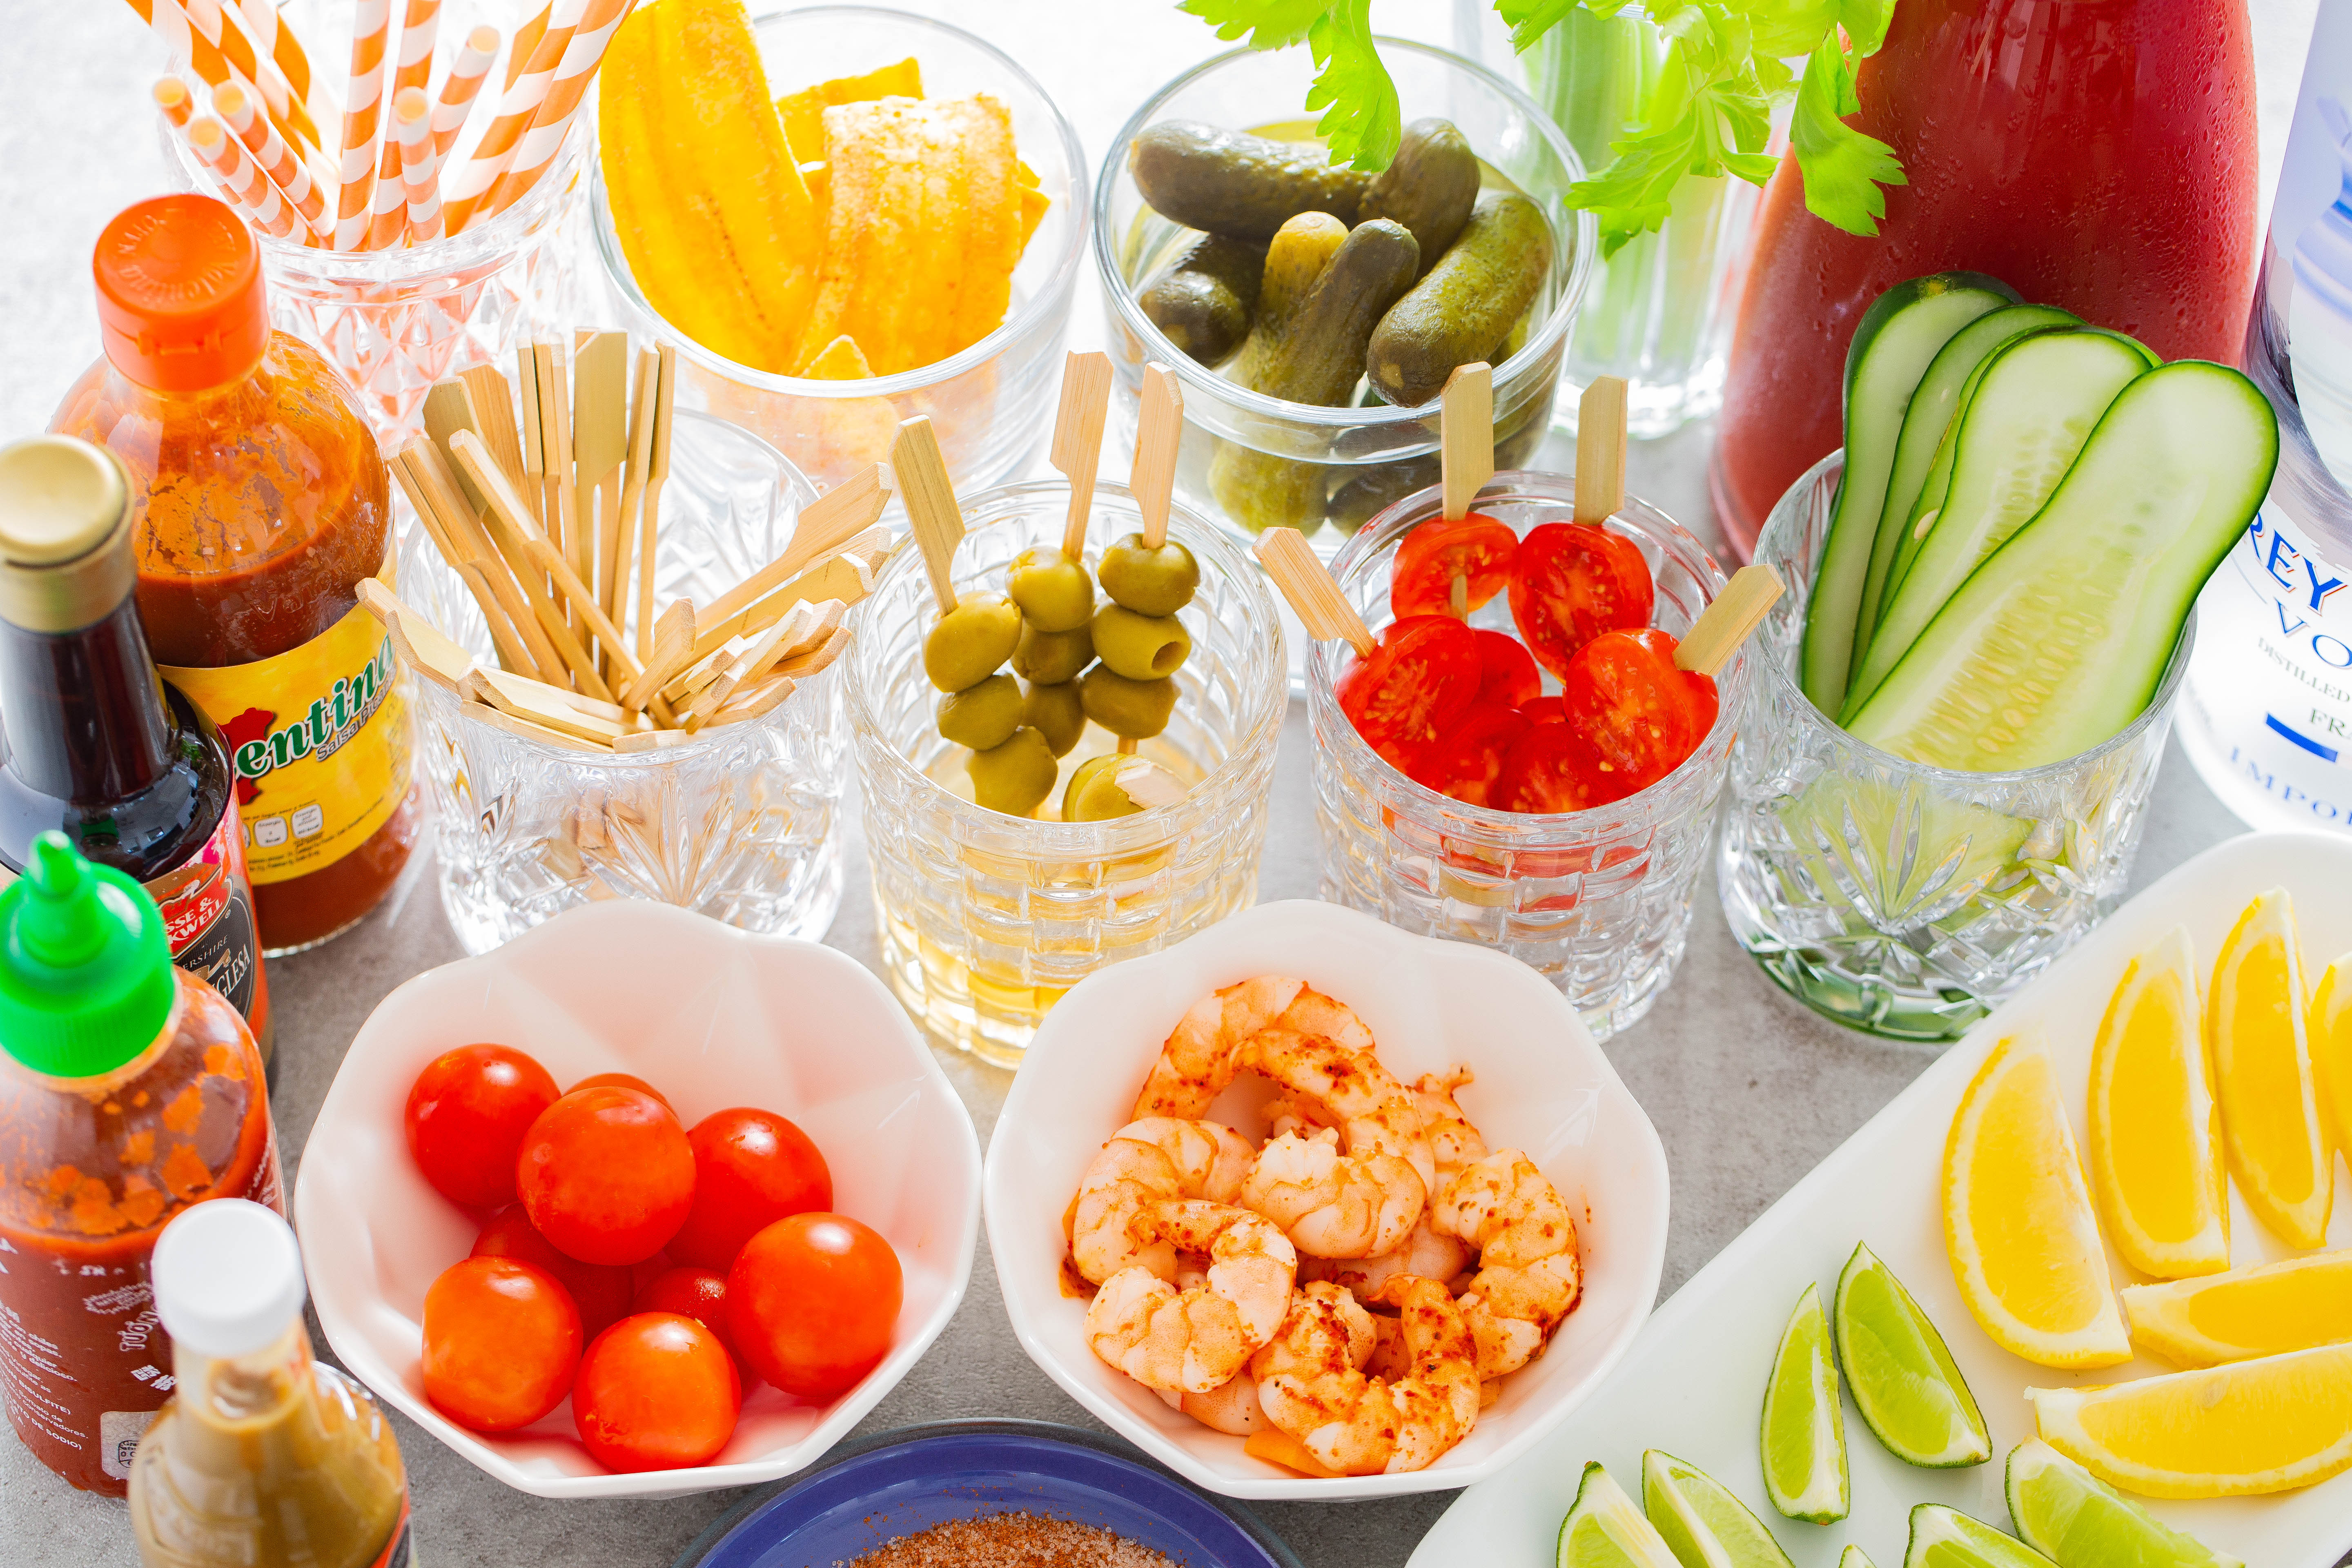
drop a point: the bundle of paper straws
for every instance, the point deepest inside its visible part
(374, 170)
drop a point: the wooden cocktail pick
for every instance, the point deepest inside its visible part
(1467, 437)
(600, 441)
(1600, 449)
(930, 500)
(646, 387)
(665, 416)
(1307, 582)
(1158, 428)
(1077, 440)
(1723, 626)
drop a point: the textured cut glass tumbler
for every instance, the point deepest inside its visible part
(741, 822)
(1599, 900)
(987, 919)
(1908, 900)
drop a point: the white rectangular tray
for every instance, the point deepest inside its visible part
(1693, 1382)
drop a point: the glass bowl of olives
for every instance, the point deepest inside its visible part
(1311, 315)
(1071, 766)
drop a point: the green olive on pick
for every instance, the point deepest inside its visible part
(1132, 709)
(972, 641)
(1149, 582)
(1053, 592)
(1052, 658)
(1094, 792)
(1015, 776)
(1056, 712)
(1140, 648)
(982, 716)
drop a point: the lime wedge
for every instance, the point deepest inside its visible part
(1604, 1529)
(1910, 1395)
(1804, 1430)
(1945, 1538)
(1854, 1557)
(1699, 1519)
(2080, 1522)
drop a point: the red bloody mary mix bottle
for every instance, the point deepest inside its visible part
(91, 743)
(2093, 154)
(129, 1090)
(261, 504)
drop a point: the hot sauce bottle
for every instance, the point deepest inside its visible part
(263, 1459)
(129, 1089)
(91, 743)
(259, 504)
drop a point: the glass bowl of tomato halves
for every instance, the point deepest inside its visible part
(1517, 761)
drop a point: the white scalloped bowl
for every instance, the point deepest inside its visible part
(1543, 1086)
(713, 1017)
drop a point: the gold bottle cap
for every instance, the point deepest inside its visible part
(65, 533)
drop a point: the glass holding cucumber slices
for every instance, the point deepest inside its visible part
(1966, 706)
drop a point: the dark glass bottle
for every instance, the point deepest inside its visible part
(92, 743)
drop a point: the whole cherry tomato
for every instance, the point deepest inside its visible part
(600, 1291)
(1641, 714)
(1423, 671)
(699, 1294)
(813, 1301)
(1506, 671)
(656, 1392)
(1573, 581)
(1551, 768)
(465, 1117)
(1465, 760)
(606, 1174)
(624, 1080)
(1475, 548)
(752, 1168)
(501, 1342)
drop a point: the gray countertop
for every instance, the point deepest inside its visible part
(1748, 1089)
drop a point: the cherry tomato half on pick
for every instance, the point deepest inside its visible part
(752, 1168)
(1641, 713)
(1475, 548)
(1551, 767)
(1506, 671)
(656, 1391)
(813, 1301)
(465, 1117)
(1423, 671)
(1573, 581)
(501, 1342)
(600, 1291)
(1464, 760)
(606, 1174)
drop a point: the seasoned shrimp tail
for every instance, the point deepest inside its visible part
(1528, 1277)
(1148, 1161)
(1312, 1385)
(1195, 1339)
(1331, 1205)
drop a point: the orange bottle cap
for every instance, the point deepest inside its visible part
(179, 300)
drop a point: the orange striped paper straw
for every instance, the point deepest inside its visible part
(226, 33)
(412, 127)
(363, 111)
(410, 66)
(526, 41)
(516, 107)
(178, 105)
(256, 197)
(180, 41)
(582, 56)
(462, 86)
(272, 36)
(290, 173)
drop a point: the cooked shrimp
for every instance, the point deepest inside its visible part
(1359, 1425)
(1422, 1252)
(1332, 1205)
(1195, 1339)
(1453, 1145)
(1199, 1059)
(1146, 1162)
(1528, 1277)
(1232, 1406)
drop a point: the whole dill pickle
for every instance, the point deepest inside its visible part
(1202, 299)
(1430, 187)
(1228, 182)
(1465, 310)
(1301, 249)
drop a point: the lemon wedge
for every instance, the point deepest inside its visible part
(2261, 1068)
(2331, 1051)
(2155, 1132)
(2262, 1426)
(2287, 1306)
(2017, 1218)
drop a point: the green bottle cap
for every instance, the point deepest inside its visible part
(86, 979)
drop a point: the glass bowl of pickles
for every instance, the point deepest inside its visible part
(767, 197)
(1069, 768)
(1313, 313)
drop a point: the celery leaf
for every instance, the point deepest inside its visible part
(1361, 124)
(1270, 23)
(1843, 168)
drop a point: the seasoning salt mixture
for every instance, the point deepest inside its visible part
(1012, 1541)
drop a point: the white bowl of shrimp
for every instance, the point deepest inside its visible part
(1308, 1208)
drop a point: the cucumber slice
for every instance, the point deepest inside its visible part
(2035, 406)
(1924, 424)
(2060, 637)
(1897, 337)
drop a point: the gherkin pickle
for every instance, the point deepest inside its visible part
(1132, 709)
(1149, 582)
(1094, 792)
(1056, 712)
(972, 641)
(1052, 658)
(982, 716)
(1015, 776)
(1140, 648)
(1053, 592)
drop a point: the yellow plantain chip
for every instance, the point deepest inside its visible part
(804, 111)
(840, 360)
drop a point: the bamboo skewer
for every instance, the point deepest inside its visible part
(1600, 449)
(460, 557)
(515, 530)
(1077, 440)
(930, 500)
(643, 389)
(664, 407)
(1724, 625)
(1307, 582)
(1159, 429)
(1465, 452)
(465, 525)
(600, 441)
